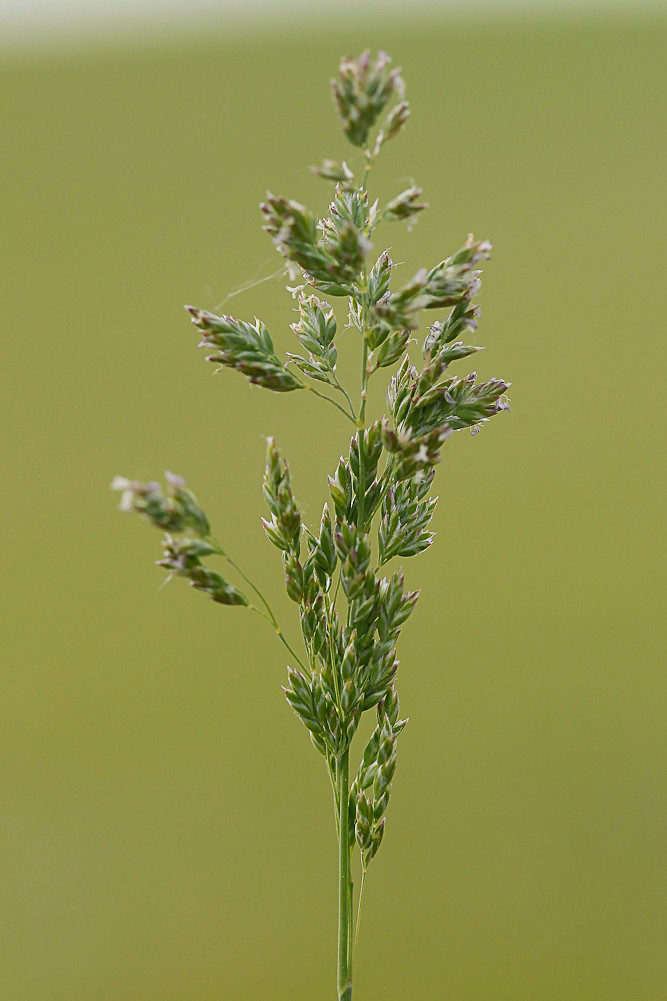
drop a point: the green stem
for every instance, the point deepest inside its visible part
(345, 887)
(345, 394)
(333, 403)
(330, 645)
(361, 897)
(386, 481)
(270, 618)
(344, 880)
(364, 382)
(331, 772)
(252, 585)
(281, 636)
(361, 512)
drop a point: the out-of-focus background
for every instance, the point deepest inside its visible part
(166, 830)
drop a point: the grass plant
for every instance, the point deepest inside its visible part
(350, 609)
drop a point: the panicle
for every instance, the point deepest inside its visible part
(246, 347)
(350, 617)
(404, 206)
(175, 509)
(362, 91)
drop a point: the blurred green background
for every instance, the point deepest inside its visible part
(166, 825)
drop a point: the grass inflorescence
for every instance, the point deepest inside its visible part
(381, 490)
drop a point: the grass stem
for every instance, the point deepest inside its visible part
(344, 880)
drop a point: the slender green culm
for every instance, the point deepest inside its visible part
(381, 501)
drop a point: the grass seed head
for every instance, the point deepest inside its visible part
(350, 617)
